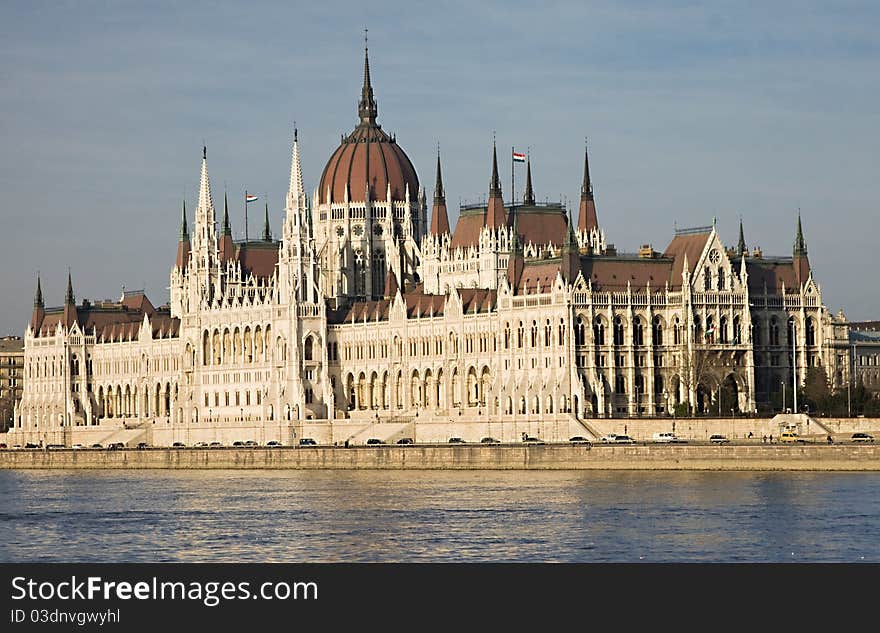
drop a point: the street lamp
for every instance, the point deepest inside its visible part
(783, 395)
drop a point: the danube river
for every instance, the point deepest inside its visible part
(438, 516)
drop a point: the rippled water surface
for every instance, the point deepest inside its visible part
(347, 516)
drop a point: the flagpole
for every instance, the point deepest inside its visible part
(512, 188)
(245, 217)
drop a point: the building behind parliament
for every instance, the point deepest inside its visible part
(373, 316)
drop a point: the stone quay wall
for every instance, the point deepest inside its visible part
(752, 457)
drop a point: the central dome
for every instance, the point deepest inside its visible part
(368, 154)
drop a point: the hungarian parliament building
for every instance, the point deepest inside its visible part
(373, 317)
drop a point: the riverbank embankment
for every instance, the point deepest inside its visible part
(798, 457)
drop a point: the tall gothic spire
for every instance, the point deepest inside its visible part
(495, 213)
(800, 246)
(184, 230)
(296, 192)
(227, 229)
(367, 110)
(439, 217)
(267, 233)
(183, 242)
(741, 246)
(69, 298)
(206, 201)
(38, 297)
(587, 220)
(39, 311)
(529, 195)
(495, 182)
(800, 260)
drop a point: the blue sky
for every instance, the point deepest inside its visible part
(735, 109)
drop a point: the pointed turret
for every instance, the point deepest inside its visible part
(183, 242)
(800, 260)
(69, 303)
(367, 110)
(439, 217)
(529, 195)
(496, 216)
(267, 233)
(39, 309)
(204, 239)
(226, 246)
(296, 192)
(587, 220)
(741, 245)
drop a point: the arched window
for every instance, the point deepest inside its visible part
(774, 331)
(757, 334)
(657, 330)
(676, 331)
(534, 333)
(707, 279)
(519, 335)
(579, 332)
(307, 349)
(548, 333)
(811, 332)
(618, 330)
(791, 329)
(599, 332)
(710, 329)
(722, 330)
(737, 331)
(561, 332)
(620, 384)
(698, 330)
(720, 279)
(638, 332)
(507, 336)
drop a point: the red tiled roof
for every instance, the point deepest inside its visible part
(259, 258)
(690, 244)
(541, 225)
(613, 273)
(467, 228)
(772, 272)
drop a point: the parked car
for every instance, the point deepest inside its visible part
(528, 439)
(215, 445)
(307, 441)
(623, 439)
(273, 443)
(2, 445)
(251, 443)
(608, 438)
(664, 437)
(143, 445)
(55, 447)
(718, 439)
(790, 437)
(77, 447)
(405, 440)
(455, 440)
(115, 446)
(201, 445)
(31, 445)
(578, 439)
(238, 443)
(862, 437)
(373, 441)
(178, 445)
(489, 440)
(96, 445)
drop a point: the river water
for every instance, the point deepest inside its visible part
(438, 516)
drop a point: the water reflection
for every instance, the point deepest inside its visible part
(421, 516)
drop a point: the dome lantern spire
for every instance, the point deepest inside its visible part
(367, 110)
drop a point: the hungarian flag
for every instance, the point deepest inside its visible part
(519, 158)
(250, 198)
